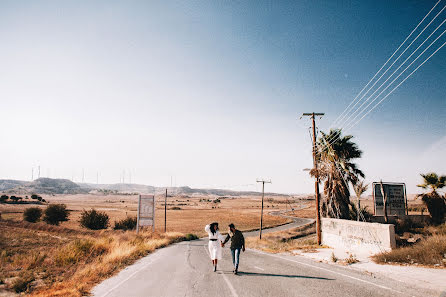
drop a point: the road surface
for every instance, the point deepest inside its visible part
(184, 269)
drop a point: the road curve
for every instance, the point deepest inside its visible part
(184, 269)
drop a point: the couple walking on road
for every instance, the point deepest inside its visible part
(218, 241)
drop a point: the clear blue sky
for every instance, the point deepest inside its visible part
(209, 92)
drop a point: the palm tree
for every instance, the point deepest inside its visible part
(433, 201)
(360, 188)
(432, 181)
(337, 171)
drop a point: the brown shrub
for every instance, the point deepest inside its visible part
(430, 251)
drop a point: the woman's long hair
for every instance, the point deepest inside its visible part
(214, 227)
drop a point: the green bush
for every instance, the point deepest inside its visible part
(128, 223)
(56, 213)
(3, 198)
(94, 220)
(190, 236)
(436, 206)
(14, 198)
(32, 214)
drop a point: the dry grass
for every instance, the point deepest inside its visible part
(68, 260)
(194, 214)
(430, 251)
(69, 263)
(302, 238)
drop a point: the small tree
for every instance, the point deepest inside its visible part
(94, 220)
(34, 196)
(360, 188)
(14, 198)
(433, 201)
(3, 198)
(32, 214)
(56, 213)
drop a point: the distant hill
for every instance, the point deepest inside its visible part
(137, 188)
(41, 186)
(65, 186)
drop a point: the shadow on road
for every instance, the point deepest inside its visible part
(281, 275)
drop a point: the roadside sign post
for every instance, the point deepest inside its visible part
(395, 194)
(146, 212)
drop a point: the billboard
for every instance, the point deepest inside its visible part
(396, 199)
(146, 211)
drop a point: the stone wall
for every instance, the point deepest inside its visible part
(358, 237)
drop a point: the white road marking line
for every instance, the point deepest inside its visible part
(231, 288)
(259, 268)
(129, 277)
(328, 270)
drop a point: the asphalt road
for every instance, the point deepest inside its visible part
(185, 269)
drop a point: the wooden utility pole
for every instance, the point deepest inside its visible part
(313, 115)
(165, 212)
(263, 195)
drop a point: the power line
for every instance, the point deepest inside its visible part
(349, 109)
(349, 125)
(346, 109)
(346, 121)
(398, 85)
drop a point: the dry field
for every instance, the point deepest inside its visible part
(67, 260)
(184, 214)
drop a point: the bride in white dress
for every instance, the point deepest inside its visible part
(215, 242)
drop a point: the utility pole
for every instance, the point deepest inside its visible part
(165, 212)
(313, 115)
(263, 195)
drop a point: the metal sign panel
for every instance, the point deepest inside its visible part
(396, 199)
(146, 211)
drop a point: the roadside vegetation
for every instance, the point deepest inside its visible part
(435, 203)
(300, 238)
(50, 260)
(427, 248)
(422, 243)
(129, 223)
(94, 220)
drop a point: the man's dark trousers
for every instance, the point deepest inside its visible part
(235, 253)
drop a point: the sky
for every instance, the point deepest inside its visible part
(209, 94)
